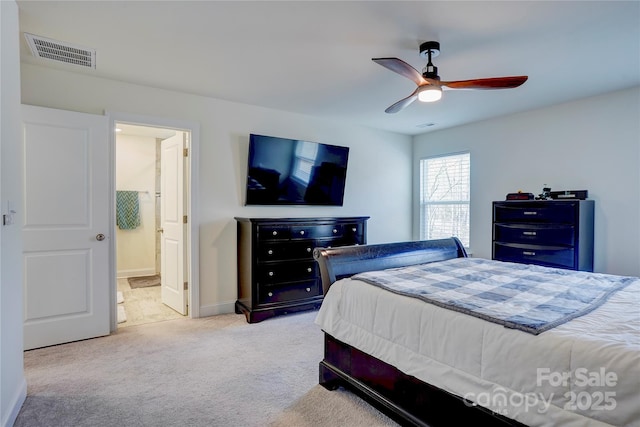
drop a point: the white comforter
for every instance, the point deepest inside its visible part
(583, 373)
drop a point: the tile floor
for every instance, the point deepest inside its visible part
(143, 305)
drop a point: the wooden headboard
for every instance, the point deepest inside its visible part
(336, 263)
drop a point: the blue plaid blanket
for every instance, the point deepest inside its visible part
(525, 297)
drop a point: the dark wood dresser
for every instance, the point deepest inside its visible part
(276, 270)
(552, 233)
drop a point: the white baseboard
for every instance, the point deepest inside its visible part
(222, 308)
(16, 405)
(136, 273)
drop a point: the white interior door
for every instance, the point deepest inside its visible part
(173, 223)
(65, 226)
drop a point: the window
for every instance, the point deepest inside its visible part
(444, 197)
(305, 158)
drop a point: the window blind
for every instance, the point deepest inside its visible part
(445, 183)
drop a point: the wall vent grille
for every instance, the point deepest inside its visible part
(54, 50)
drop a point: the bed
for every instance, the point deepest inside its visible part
(426, 364)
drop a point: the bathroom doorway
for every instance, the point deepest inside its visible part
(151, 238)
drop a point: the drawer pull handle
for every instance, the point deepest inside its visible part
(529, 253)
(270, 294)
(275, 233)
(335, 231)
(529, 233)
(530, 213)
(309, 270)
(308, 289)
(302, 232)
(270, 251)
(271, 274)
(308, 249)
(354, 229)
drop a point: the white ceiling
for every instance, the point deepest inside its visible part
(314, 57)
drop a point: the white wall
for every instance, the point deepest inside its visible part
(378, 175)
(13, 388)
(592, 144)
(136, 171)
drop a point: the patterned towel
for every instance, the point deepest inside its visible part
(127, 210)
(525, 297)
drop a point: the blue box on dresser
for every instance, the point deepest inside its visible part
(551, 233)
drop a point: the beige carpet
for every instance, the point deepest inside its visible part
(321, 407)
(215, 371)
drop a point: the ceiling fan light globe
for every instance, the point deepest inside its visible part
(430, 94)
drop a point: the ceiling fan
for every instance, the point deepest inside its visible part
(429, 84)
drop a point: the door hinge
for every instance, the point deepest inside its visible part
(184, 219)
(186, 286)
(185, 152)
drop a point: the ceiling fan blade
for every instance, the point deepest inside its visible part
(399, 66)
(402, 104)
(490, 83)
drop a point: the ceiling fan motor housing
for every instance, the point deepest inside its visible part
(430, 50)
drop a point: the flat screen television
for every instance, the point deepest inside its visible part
(285, 171)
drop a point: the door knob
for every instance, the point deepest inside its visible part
(100, 237)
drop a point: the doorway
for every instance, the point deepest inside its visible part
(154, 269)
(139, 229)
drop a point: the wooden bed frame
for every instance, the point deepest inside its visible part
(403, 398)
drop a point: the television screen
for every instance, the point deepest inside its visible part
(285, 171)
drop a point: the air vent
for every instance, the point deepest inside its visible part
(55, 50)
(425, 125)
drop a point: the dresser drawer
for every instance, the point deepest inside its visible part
(540, 212)
(301, 250)
(297, 291)
(316, 231)
(273, 232)
(272, 251)
(550, 256)
(354, 230)
(334, 243)
(278, 251)
(537, 234)
(286, 272)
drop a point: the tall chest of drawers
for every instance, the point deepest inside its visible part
(552, 233)
(276, 270)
